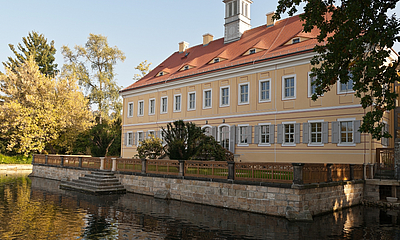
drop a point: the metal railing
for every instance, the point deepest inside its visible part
(385, 158)
(287, 173)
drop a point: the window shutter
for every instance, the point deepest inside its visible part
(271, 134)
(305, 133)
(357, 134)
(335, 132)
(249, 134)
(297, 133)
(386, 130)
(125, 139)
(232, 138)
(256, 134)
(214, 132)
(237, 132)
(280, 134)
(325, 132)
(133, 139)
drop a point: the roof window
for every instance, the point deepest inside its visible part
(252, 51)
(295, 40)
(216, 60)
(186, 67)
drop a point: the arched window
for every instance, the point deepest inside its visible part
(223, 136)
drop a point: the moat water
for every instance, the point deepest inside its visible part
(35, 208)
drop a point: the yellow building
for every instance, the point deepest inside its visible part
(252, 91)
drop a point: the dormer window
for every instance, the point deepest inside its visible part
(186, 67)
(216, 60)
(295, 40)
(161, 73)
(252, 51)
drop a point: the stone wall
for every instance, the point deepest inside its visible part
(299, 203)
(58, 173)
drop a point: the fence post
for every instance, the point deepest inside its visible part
(62, 161)
(101, 163)
(372, 170)
(329, 175)
(351, 172)
(80, 161)
(114, 164)
(46, 159)
(297, 173)
(143, 165)
(231, 170)
(33, 159)
(181, 168)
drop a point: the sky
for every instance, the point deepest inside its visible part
(143, 30)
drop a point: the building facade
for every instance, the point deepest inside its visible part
(252, 91)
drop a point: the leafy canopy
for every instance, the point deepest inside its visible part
(35, 45)
(93, 64)
(151, 148)
(185, 140)
(144, 69)
(36, 109)
(355, 37)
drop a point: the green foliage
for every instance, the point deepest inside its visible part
(151, 148)
(103, 139)
(93, 65)
(18, 159)
(355, 36)
(144, 69)
(187, 141)
(36, 109)
(35, 45)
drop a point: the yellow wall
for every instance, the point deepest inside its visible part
(275, 112)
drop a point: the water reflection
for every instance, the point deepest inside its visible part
(37, 209)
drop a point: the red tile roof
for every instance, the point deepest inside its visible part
(272, 39)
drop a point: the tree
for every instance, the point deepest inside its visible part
(93, 65)
(187, 141)
(36, 109)
(355, 38)
(35, 45)
(144, 69)
(103, 139)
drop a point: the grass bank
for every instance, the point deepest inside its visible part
(20, 159)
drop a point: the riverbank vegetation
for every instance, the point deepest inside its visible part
(18, 159)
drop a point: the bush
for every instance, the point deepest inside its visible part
(151, 148)
(19, 159)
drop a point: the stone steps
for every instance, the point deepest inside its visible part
(101, 182)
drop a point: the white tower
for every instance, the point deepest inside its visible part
(237, 19)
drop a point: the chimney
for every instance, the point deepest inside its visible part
(270, 21)
(207, 38)
(183, 46)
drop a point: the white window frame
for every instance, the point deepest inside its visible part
(346, 144)
(283, 134)
(295, 40)
(129, 141)
(154, 109)
(283, 86)
(309, 91)
(207, 126)
(204, 98)
(219, 133)
(140, 114)
(240, 144)
(162, 105)
(260, 100)
(311, 144)
(138, 138)
(240, 93)
(180, 103)
(148, 133)
(220, 96)
(188, 106)
(130, 113)
(339, 85)
(259, 134)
